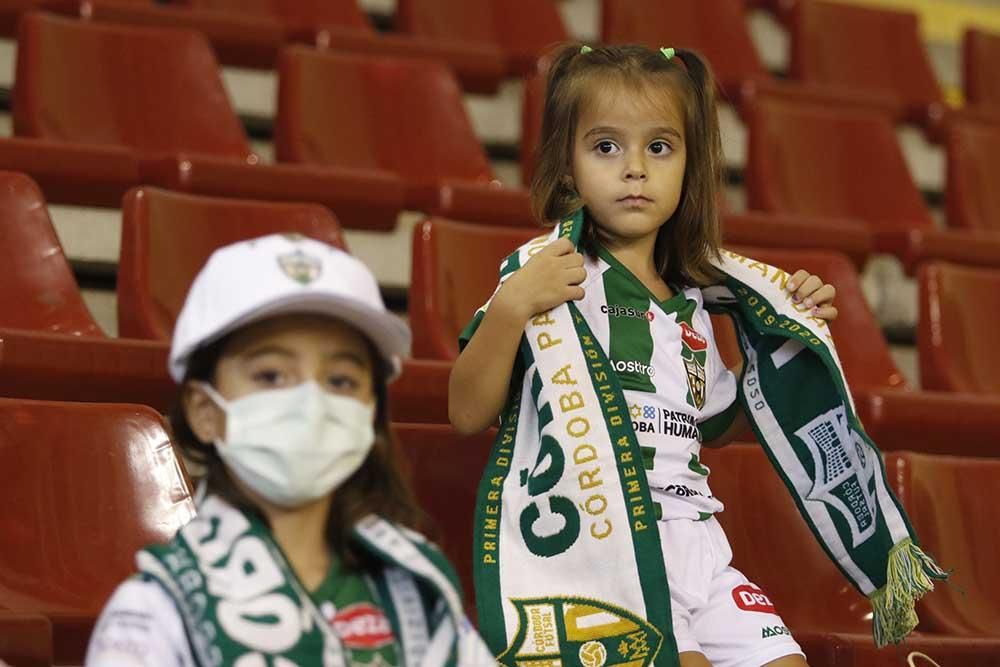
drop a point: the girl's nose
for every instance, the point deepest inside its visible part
(635, 170)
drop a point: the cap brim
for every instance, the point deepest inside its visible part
(390, 335)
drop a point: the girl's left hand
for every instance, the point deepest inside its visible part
(811, 291)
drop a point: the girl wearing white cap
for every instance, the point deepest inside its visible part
(301, 552)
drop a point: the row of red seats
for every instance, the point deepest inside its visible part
(51, 342)
(871, 55)
(483, 42)
(345, 143)
(96, 482)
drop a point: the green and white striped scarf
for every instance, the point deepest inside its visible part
(243, 606)
(568, 562)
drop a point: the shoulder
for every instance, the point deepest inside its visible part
(139, 626)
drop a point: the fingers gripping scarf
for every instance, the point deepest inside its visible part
(569, 567)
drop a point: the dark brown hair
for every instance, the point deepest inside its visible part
(377, 487)
(687, 242)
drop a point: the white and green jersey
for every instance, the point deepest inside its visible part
(678, 389)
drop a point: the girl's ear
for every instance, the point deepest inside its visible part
(206, 419)
(568, 181)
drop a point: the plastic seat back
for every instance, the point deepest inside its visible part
(981, 62)
(152, 89)
(445, 468)
(38, 291)
(863, 351)
(807, 160)
(972, 198)
(94, 483)
(456, 267)
(520, 29)
(297, 14)
(717, 30)
(770, 539)
(948, 501)
(865, 48)
(959, 313)
(404, 116)
(167, 237)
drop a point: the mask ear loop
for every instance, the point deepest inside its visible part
(213, 394)
(918, 654)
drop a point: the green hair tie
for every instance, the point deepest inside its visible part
(668, 53)
(585, 49)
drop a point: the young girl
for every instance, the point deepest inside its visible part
(631, 135)
(301, 552)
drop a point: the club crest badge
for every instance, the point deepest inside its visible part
(300, 267)
(577, 632)
(694, 352)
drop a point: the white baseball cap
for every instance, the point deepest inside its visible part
(283, 274)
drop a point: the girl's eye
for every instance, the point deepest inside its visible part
(269, 378)
(606, 147)
(659, 148)
(343, 383)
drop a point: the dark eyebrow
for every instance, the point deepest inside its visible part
(352, 357)
(255, 352)
(602, 130)
(666, 129)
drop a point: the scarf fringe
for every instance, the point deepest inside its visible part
(911, 574)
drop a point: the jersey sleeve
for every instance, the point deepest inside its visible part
(721, 406)
(139, 627)
(470, 329)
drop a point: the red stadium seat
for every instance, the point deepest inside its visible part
(455, 270)
(858, 650)
(835, 183)
(250, 34)
(959, 309)
(718, 30)
(972, 200)
(981, 61)
(167, 237)
(829, 618)
(175, 127)
(770, 539)
(94, 484)
(39, 291)
(25, 639)
(405, 117)
(870, 50)
(945, 498)
(895, 415)
(520, 30)
(445, 469)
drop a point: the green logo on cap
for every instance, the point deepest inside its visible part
(300, 267)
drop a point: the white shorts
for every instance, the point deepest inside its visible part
(716, 610)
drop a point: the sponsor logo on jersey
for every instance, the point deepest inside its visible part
(614, 310)
(750, 598)
(647, 419)
(300, 267)
(632, 366)
(774, 631)
(694, 353)
(682, 491)
(692, 338)
(362, 626)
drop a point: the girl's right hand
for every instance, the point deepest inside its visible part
(550, 278)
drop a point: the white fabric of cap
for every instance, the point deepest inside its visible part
(282, 274)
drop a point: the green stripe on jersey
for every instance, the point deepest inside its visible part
(630, 344)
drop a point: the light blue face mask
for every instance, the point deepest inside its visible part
(295, 445)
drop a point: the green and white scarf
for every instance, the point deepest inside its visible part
(568, 562)
(242, 605)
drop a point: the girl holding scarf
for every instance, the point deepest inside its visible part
(630, 136)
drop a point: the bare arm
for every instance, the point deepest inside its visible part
(481, 376)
